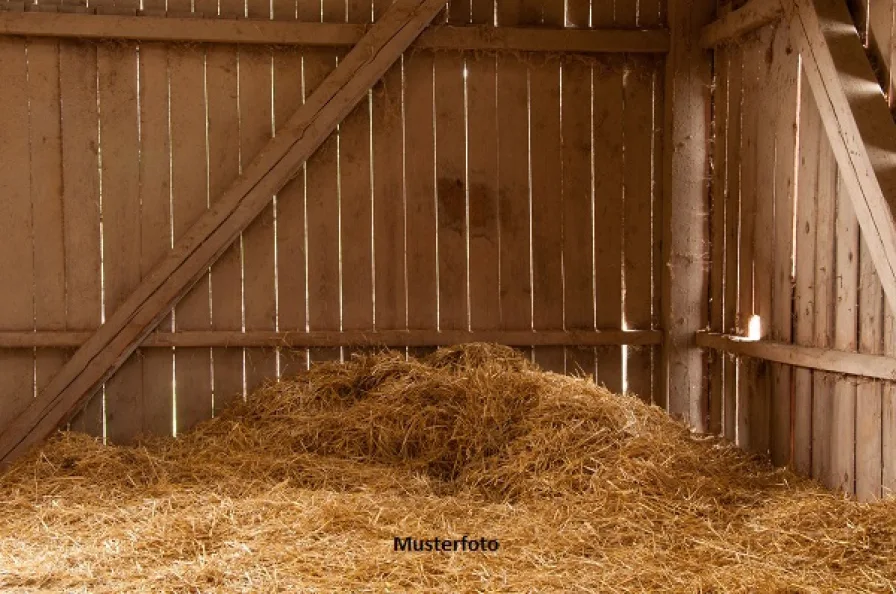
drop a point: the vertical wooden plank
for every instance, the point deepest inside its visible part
(46, 201)
(356, 204)
(121, 220)
(451, 189)
(222, 121)
(485, 303)
(626, 14)
(868, 446)
(290, 209)
(80, 200)
(421, 238)
(513, 184)
(749, 187)
(650, 13)
(760, 405)
(547, 210)
(810, 127)
(888, 414)
(717, 271)
(658, 217)
(483, 12)
(607, 134)
(389, 200)
(577, 187)
(324, 282)
(823, 384)
(846, 285)
(608, 167)
(155, 223)
(785, 64)
(732, 228)
(638, 244)
(685, 208)
(189, 199)
(256, 128)
(287, 82)
(578, 13)
(16, 262)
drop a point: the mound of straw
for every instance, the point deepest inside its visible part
(305, 486)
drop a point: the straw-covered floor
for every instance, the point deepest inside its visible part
(306, 485)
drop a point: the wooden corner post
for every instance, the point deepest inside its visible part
(686, 211)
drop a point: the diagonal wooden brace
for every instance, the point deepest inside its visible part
(107, 349)
(856, 119)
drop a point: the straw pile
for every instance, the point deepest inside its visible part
(305, 486)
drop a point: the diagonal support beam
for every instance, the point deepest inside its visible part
(856, 119)
(753, 15)
(112, 344)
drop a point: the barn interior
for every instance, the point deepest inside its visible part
(291, 287)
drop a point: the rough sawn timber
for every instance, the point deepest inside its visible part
(278, 162)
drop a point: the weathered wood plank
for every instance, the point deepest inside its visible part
(755, 14)
(685, 208)
(608, 101)
(80, 198)
(188, 262)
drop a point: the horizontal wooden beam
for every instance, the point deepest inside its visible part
(830, 360)
(755, 14)
(389, 338)
(246, 31)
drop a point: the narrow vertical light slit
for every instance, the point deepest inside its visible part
(274, 205)
(239, 127)
(305, 226)
(208, 204)
(99, 165)
(563, 270)
(796, 162)
(499, 210)
(172, 322)
(467, 293)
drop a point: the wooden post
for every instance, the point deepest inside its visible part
(685, 278)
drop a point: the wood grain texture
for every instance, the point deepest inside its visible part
(513, 200)
(190, 198)
(608, 106)
(45, 142)
(638, 244)
(547, 209)
(224, 164)
(786, 68)
(16, 263)
(155, 224)
(80, 198)
(451, 190)
(121, 220)
(389, 201)
(578, 255)
(718, 205)
(685, 207)
(420, 180)
(868, 411)
(732, 214)
(483, 191)
(804, 308)
(258, 243)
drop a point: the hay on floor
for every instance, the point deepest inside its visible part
(306, 485)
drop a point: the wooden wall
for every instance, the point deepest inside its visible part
(471, 191)
(787, 248)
